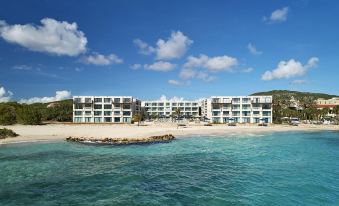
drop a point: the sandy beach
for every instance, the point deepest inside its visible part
(57, 132)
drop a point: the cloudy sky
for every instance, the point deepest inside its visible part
(50, 50)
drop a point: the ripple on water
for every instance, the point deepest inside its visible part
(295, 168)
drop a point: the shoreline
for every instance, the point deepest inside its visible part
(59, 132)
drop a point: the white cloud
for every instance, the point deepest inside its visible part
(52, 36)
(101, 60)
(77, 69)
(5, 96)
(205, 76)
(59, 95)
(214, 64)
(160, 66)
(172, 48)
(135, 66)
(187, 73)
(253, 50)
(175, 99)
(247, 70)
(279, 15)
(299, 81)
(22, 67)
(175, 82)
(289, 69)
(144, 48)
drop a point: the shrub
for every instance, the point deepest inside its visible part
(30, 115)
(7, 114)
(4, 133)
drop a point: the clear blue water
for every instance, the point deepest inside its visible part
(273, 169)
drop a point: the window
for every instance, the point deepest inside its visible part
(78, 106)
(236, 113)
(88, 112)
(117, 119)
(97, 119)
(256, 113)
(235, 106)
(77, 119)
(88, 100)
(161, 104)
(126, 113)
(127, 120)
(246, 120)
(108, 106)
(236, 100)
(116, 112)
(225, 113)
(246, 113)
(216, 113)
(78, 113)
(77, 99)
(107, 100)
(97, 113)
(88, 119)
(97, 106)
(167, 104)
(216, 120)
(116, 106)
(97, 99)
(107, 113)
(127, 106)
(87, 105)
(174, 104)
(116, 100)
(266, 113)
(108, 119)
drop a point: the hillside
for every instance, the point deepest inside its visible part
(298, 95)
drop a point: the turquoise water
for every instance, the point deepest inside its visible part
(273, 169)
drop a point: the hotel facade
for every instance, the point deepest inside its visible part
(216, 109)
(105, 109)
(239, 109)
(169, 108)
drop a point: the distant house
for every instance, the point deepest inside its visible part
(328, 103)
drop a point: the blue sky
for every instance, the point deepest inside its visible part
(190, 49)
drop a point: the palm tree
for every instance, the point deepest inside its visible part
(177, 112)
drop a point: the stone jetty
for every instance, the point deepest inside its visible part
(123, 141)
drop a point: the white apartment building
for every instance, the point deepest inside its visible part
(240, 109)
(105, 109)
(169, 107)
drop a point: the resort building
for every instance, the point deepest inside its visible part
(239, 109)
(105, 109)
(169, 108)
(328, 103)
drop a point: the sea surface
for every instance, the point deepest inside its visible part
(291, 168)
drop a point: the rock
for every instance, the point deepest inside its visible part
(123, 141)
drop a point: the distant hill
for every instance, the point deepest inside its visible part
(298, 95)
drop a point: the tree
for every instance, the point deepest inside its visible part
(7, 114)
(177, 112)
(137, 118)
(30, 115)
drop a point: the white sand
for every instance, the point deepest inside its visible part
(54, 132)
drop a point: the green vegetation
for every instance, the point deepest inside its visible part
(289, 94)
(7, 114)
(137, 118)
(4, 133)
(13, 112)
(306, 109)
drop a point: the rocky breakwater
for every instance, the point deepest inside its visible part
(123, 141)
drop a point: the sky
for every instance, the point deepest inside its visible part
(51, 50)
